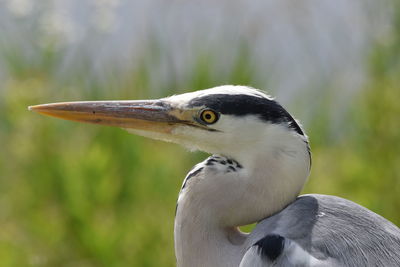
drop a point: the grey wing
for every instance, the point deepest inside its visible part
(320, 230)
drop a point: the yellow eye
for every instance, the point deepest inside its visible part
(209, 116)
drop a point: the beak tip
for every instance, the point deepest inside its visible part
(37, 108)
(33, 108)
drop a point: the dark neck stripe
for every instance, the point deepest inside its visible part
(242, 105)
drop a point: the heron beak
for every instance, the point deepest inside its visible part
(149, 115)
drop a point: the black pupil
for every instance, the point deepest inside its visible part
(207, 116)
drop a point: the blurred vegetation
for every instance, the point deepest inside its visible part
(82, 195)
(364, 166)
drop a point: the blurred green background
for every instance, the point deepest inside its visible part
(82, 195)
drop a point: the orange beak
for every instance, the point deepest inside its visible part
(149, 115)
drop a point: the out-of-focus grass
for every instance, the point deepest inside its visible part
(82, 195)
(364, 166)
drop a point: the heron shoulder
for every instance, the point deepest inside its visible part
(332, 229)
(276, 250)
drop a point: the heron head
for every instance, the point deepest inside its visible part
(225, 120)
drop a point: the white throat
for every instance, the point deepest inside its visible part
(242, 188)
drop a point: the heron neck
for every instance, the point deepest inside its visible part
(216, 200)
(202, 241)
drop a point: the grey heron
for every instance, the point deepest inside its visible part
(260, 160)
